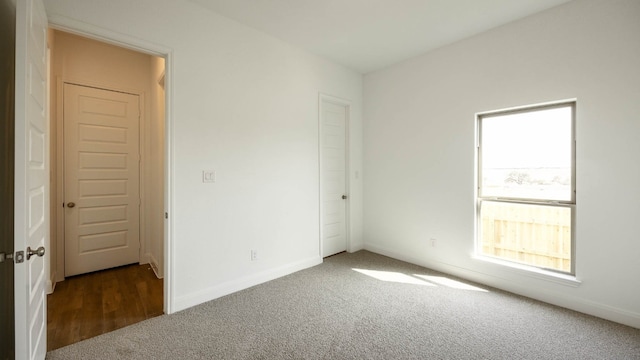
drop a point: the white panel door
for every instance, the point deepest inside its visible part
(31, 180)
(333, 174)
(102, 203)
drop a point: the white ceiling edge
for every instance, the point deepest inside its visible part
(368, 35)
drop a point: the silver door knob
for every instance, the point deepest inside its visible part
(71, 204)
(344, 197)
(39, 251)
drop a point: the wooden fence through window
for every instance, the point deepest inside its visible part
(538, 235)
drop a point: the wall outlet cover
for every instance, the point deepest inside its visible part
(208, 176)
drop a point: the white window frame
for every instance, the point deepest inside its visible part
(571, 203)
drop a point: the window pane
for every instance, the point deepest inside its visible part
(537, 235)
(527, 155)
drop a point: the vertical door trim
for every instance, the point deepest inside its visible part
(59, 213)
(115, 38)
(326, 98)
(47, 269)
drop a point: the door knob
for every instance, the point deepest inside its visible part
(344, 197)
(71, 204)
(39, 251)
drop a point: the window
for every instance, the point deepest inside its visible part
(526, 186)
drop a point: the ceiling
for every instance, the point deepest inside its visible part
(367, 35)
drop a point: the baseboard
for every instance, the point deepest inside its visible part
(51, 283)
(154, 266)
(229, 287)
(356, 248)
(589, 307)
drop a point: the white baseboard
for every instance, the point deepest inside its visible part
(51, 283)
(589, 307)
(154, 265)
(229, 287)
(356, 248)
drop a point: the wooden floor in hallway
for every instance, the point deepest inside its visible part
(91, 304)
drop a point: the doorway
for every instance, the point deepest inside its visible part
(334, 184)
(109, 212)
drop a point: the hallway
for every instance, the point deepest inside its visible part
(91, 304)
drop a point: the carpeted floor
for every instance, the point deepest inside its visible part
(366, 306)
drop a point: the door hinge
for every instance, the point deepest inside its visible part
(166, 215)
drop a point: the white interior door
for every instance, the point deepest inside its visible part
(333, 174)
(102, 203)
(31, 180)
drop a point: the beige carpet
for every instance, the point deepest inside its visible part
(366, 306)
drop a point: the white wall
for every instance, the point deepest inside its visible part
(419, 148)
(245, 105)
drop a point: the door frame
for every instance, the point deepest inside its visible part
(61, 166)
(322, 99)
(118, 39)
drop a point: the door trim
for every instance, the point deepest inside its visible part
(326, 98)
(115, 38)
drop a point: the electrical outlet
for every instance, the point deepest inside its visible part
(434, 242)
(254, 255)
(208, 176)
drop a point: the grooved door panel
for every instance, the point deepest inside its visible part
(101, 133)
(31, 185)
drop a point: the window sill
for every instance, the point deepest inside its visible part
(530, 271)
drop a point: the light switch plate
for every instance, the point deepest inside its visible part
(208, 176)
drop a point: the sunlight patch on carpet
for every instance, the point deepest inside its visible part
(441, 280)
(417, 279)
(393, 277)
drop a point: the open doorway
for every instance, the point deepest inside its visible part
(91, 224)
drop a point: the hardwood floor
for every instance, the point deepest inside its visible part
(88, 305)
